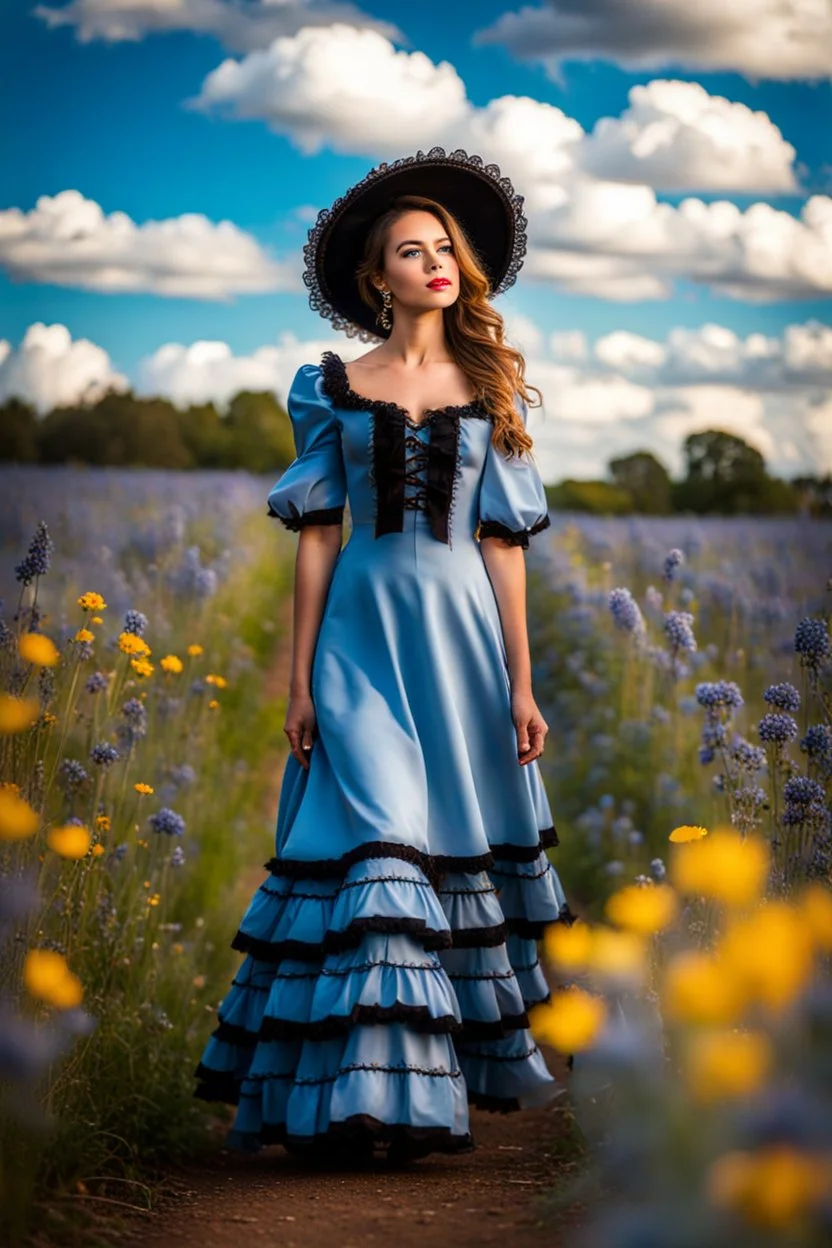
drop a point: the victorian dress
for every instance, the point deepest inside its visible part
(391, 952)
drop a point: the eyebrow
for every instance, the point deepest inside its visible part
(418, 241)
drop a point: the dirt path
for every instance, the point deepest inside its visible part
(494, 1195)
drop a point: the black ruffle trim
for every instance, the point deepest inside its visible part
(301, 520)
(433, 865)
(534, 929)
(514, 537)
(338, 942)
(360, 1128)
(217, 1085)
(336, 1025)
(494, 1104)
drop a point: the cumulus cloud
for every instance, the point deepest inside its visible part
(68, 240)
(675, 135)
(588, 234)
(775, 39)
(239, 25)
(49, 370)
(340, 87)
(206, 372)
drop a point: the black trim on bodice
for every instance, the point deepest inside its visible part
(399, 456)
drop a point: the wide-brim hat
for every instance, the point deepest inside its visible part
(483, 201)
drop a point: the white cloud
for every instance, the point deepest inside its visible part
(239, 27)
(620, 242)
(628, 352)
(775, 39)
(593, 410)
(353, 91)
(67, 240)
(49, 370)
(675, 136)
(340, 87)
(569, 345)
(207, 372)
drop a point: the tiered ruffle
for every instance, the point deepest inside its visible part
(382, 993)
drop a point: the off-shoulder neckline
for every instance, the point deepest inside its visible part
(337, 386)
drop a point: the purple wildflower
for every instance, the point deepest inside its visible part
(811, 642)
(104, 754)
(678, 626)
(96, 683)
(135, 622)
(674, 559)
(625, 611)
(36, 562)
(167, 821)
(777, 728)
(784, 696)
(719, 695)
(71, 775)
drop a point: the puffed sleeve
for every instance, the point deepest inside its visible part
(313, 489)
(512, 501)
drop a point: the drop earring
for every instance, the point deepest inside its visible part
(384, 319)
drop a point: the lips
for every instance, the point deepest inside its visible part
(439, 283)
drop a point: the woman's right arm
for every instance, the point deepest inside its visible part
(318, 548)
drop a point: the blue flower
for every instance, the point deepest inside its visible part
(177, 858)
(674, 559)
(777, 728)
(72, 774)
(811, 642)
(104, 754)
(36, 562)
(135, 622)
(167, 821)
(625, 611)
(678, 626)
(719, 695)
(784, 696)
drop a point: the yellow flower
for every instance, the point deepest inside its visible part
(84, 634)
(618, 955)
(144, 789)
(213, 705)
(141, 667)
(131, 643)
(725, 867)
(219, 681)
(195, 650)
(815, 905)
(772, 1188)
(102, 822)
(9, 786)
(568, 947)
(769, 953)
(47, 977)
(570, 1022)
(644, 909)
(171, 663)
(153, 899)
(17, 819)
(39, 649)
(199, 981)
(49, 719)
(98, 850)
(688, 832)
(17, 714)
(92, 602)
(96, 619)
(70, 841)
(696, 989)
(727, 1063)
(177, 948)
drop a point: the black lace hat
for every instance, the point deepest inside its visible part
(484, 202)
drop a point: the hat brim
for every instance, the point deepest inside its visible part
(485, 204)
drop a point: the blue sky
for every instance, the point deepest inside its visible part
(109, 119)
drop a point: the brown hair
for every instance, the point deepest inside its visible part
(473, 330)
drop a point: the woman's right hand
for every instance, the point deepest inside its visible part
(301, 727)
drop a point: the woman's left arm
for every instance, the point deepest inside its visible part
(506, 567)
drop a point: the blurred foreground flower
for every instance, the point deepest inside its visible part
(571, 1020)
(39, 649)
(47, 977)
(17, 819)
(724, 866)
(17, 714)
(643, 909)
(687, 832)
(772, 1188)
(70, 841)
(724, 1063)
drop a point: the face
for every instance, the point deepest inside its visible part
(418, 253)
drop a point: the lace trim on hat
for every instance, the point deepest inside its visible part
(437, 155)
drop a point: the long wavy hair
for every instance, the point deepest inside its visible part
(473, 330)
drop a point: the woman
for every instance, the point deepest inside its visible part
(391, 953)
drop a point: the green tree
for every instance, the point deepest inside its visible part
(18, 432)
(645, 479)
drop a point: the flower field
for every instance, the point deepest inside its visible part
(683, 667)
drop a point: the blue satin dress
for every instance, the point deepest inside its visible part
(392, 949)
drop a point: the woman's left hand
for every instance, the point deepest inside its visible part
(530, 726)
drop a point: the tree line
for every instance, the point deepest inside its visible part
(724, 475)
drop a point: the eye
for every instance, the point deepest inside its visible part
(411, 251)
